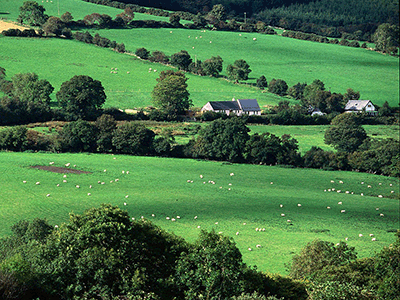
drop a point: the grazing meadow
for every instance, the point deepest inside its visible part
(280, 209)
(376, 76)
(59, 60)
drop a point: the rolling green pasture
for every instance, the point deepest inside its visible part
(59, 60)
(241, 203)
(376, 76)
(309, 136)
(9, 9)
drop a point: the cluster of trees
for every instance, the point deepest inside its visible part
(239, 70)
(321, 39)
(354, 18)
(216, 16)
(334, 272)
(103, 254)
(28, 99)
(355, 150)
(225, 139)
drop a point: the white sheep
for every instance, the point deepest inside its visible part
(48, 195)
(37, 183)
(360, 235)
(237, 233)
(258, 246)
(373, 239)
(343, 211)
(282, 215)
(299, 205)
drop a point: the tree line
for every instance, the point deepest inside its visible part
(222, 140)
(103, 254)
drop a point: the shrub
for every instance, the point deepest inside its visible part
(142, 53)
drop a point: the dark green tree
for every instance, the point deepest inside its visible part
(142, 53)
(385, 110)
(212, 268)
(78, 136)
(53, 25)
(240, 70)
(81, 96)
(345, 137)
(297, 90)
(105, 125)
(212, 66)
(223, 140)
(170, 93)
(278, 86)
(103, 254)
(175, 19)
(387, 270)
(28, 88)
(386, 38)
(317, 255)
(126, 16)
(263, 148)
(262, 82)
(217, 14)
(133, 138)
(351, 95)
(32, 13)
(14, 138)
(181, 60)
(66, 17)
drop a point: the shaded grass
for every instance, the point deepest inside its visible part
(159, 186)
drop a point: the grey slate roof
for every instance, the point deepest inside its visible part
(356, 104)
(249, 104)
(224, 105)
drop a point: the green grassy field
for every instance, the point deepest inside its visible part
(309, 136)
(278, 57)
(59, 60)
(241, 203)
(376, 76)
(9, 9)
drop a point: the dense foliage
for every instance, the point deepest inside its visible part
(334, 272)
(356, 18)
(102, 254)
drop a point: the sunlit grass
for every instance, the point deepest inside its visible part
(159, 186)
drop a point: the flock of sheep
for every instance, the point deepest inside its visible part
(229, 187)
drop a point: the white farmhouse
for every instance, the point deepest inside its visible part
(238, 107)
(360, 106)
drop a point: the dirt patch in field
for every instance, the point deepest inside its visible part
(7, 25)
(60, 170)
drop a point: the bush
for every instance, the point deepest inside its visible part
(278, 86)
(142, 53)
(132, 138)
(79, 136)
(14, 139)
